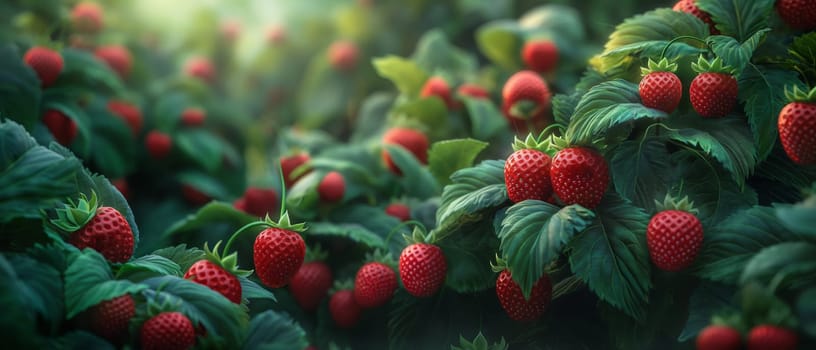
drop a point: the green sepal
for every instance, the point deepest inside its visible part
(315, 253)
(798, 95)
(715, 66)
(525, 109)
(381, 256)
(284, 223)
(500, 265)
(228, 263)
(74, 216)
(661, 66)
(419, 235)
(531, 142)
(673, 203)
(480, 343)
(155, 307)
(344, 284)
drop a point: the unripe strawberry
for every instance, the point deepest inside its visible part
(719, 338)
(117, 57)
(399, 211)
(201, 68)
(769, 337)
(158, 144)
(436, 86)
(45, 62)
(130, 113)
(193, 117)
(540, 55)
(410, 139)
(63, 128)
(87, 17)
(332, 188)
(343, 55)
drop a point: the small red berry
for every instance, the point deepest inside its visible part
(158, 144)
(45, 62)
(540, 55)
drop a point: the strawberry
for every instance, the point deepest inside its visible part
(660, 88)
(121, 185)
(289, 164)
(110, 318)
(410, 139)
(194, 196)
(63, 128)
(332, 188)
(92, 226)
(719, 338)
(513, 302)
(473, 90)
(158, 144)
(344, 310)
(674, 235)
(230, 30)
(713, 92)
(193, 117)
(374, 285)
(526, 100)
(87, 17)
(129, 112)
(690, 7)
(278, 253)
(310, 284)
(45, 62)
(797, 126)
(798, 14)
(768, 337)
(422, 269)
(343, 55)
(276, 35)
(117, 57)
(167, 331)
(527, 172)
(217, 273)
(579, 175)
(540, 55)
(399, 211)
(436, 86)
(200, 68)
(258, 201)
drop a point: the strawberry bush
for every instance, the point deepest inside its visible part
(386, 174)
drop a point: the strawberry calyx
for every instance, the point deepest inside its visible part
(714, 66)
(798, 95)
(500, 265)
(315, 253)
(283, 223)
(525, 109)
(673, 203)
(74, 216)
(346, 284)
(228, 262)
(531, 142)
(420, 235)
(382, 257)
(664, 65)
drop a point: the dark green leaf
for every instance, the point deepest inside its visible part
(416, 178)
(739, 19)
(435, 54)
(485, 119)
(802, 57)
(80, 340)
(806, 311)
(761, 306)
(709, 299)
(782, 265)
(533, 234)
(89, 281)
(212, 213)
(446, 157)
(641, 171)
(564, 106)
(472, 253)
(371, 118)
(271, 330)
(252, 290)
(30, 290)
(355, 232)
(430, 112)
(612, 258)
(201, 146)
(734, 53)
(14, 141)
(184, 257)
(83, 69)
(114, 145)
(148, 266)
(473, 191)
(713, 192)
(404, 73)
(800, 217)
(20, 90)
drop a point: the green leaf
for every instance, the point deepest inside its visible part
(762, 92)
(799, 217)
(783, 265)
(80, 340)
(806, 311)
(564, 106)
(802, 57)
(739, 19)
(31, 291)
(734, 53)
(729, 246)
(252, 290)
(446, 157)
(403, 72)
(761, 306)
(416, 178)
(485, 119)
(66, 105)
(323, 95)
(612, 258)
(713, 192)
(435, 54)
(89, 281)
(184, 257)
(533, 234)
(641, 171)
(371, 218)
(20, 90)
(202, 146)
(223, 320)
(472, 253)
(114, 145)
(606, 106)
(210, 214)
(501, 41)
(83, 69)
(708, 299)
(727, 140)
(370, 121)
(430, 112)
(355, 232)
(148, 266)
(473, 192)
(271, 330)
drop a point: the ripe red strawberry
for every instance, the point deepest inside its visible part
(167, 331)
(158, 144)
(344, 310)
(399, 211)
(278, 254)
(716, 337)
(798, 14)
(473, 90)
(63, 128)
(45, 62)
(436, 86)
(121, 185)
(768, 337)
(374, 285)
(422, 269)
(276, 35)
(674, 235)
(527, 173)
(201, 68)
(660, 88)
(513, 302)
(690, 7)
(110, 318)
(332, 188)
(343, 55)
(289, 164)
(540, 55)
(258, 201)
(310, 284)
(194, 196)
(87, 17)
(410, 139)
(230, 30)
(215, 277)
(193, 117)
(102, 228)
(526, 101)
(579, 175)
(713, 92)
(129, 113)
(117, 57)
(797, 127)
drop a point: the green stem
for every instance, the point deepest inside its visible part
(242, 230)
(666, 48)
(283, 190)
(550, 127)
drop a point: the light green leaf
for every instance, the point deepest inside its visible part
(486, 120)
(449, 156)
(430, 112)
(272, 330)
(799, 217)
(416, 177)
(739, 19)
(501, 41)
(403, 72)
(89, 281)
(473, 192)
(436, 55)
